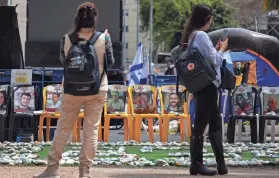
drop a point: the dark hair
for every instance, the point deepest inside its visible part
(26, 94)
(57, 94)
(85, 17)
(201, 14)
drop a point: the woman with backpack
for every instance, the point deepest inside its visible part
(85, 83)
(207, 111)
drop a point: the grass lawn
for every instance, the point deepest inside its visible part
(156, 154)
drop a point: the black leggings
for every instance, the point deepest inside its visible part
(206, 111)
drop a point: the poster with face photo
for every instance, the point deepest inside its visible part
(53, 96)
(173, 103)
(142, 97)
(24, 99)
(3, 98)
(116, 98)
(270, 100)
(243, 101)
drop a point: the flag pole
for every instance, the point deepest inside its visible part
(151, 35)
(124, 50)
(138, 21)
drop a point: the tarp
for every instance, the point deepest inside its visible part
(239, 38)
(265, 73)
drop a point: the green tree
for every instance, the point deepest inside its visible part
(170, 15)
(270, 4)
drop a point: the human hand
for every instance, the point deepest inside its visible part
(217, 47)
(224, 45)
(106, 32)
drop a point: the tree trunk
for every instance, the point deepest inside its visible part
(3, 2)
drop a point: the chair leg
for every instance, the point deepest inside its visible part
(74, 132)
(106, 129)
(2, 127)
(231, 130)
(100, 135)
(165, 130)
(273, 124)
(137, 127)
(150, 130)
(239, 130)
(161, 129)
(130, 128)
(40, 131)
(126, 129)
(261, 130)
(182, 129)
(11, 128)
(189, 128)
(48, 129)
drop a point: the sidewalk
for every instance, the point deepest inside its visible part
(72, 172)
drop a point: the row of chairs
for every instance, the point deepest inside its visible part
(133, 104)
(258, 105)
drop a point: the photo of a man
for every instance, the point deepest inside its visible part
(271, 106)
(24, 99)
(53, 96)
(115, 103)
(173, 105)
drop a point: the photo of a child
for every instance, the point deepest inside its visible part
(24, 100)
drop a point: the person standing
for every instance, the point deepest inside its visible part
(89, 91)
(207, 111)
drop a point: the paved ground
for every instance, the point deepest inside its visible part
(72, 172)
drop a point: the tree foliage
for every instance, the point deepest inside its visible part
(169, 16)
(270, 4)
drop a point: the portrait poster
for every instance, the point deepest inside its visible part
(4, 89)
(53, 98)
(173, 102)
(243, 101)
(24, 99)
(142, 98)
(116, 98)
(270, 100)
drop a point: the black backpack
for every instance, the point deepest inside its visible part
(81, 70)
(193, 70)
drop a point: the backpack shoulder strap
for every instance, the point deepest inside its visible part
(95, 37)
(191, 39)
(67, 44)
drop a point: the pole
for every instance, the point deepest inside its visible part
(151, 35)
(138, 22)
(124, 50)
(256, 23)
(9, 2)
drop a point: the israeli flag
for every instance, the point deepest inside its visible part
(138, 72)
